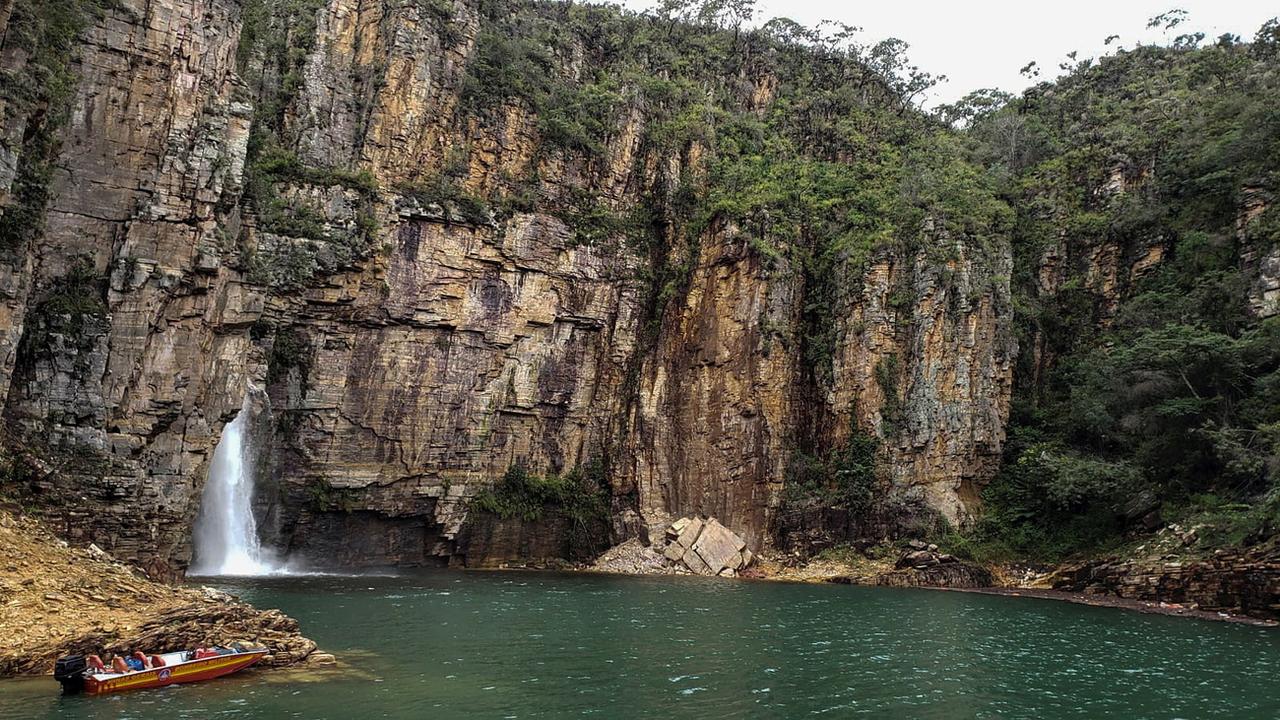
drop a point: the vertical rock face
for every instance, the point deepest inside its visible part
(1093, 269)
(925, 356)
(712, 428)
(1260, 260)
(474, 350)
(1265, 293)
(133, 350)
(409, 370)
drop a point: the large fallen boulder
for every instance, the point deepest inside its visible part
(706, 547)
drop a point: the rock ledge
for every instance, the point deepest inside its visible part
(57, 600)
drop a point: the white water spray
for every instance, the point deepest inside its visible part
(226, 535)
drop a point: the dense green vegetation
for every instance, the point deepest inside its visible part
(577, 494)
(69, 314)
(843, 477)
(313, 243)
(1165, 407)
(291, 350)
(836, 166)
(448, 194)
(579, 498)
(324, 497)
(815, 177)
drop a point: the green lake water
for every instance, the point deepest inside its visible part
(546, 645)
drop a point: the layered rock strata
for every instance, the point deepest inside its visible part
(414, 346)
(1243, 582)
(134, 346)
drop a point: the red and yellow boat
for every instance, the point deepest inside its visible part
(178, 667)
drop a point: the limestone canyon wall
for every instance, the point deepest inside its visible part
(409, 365)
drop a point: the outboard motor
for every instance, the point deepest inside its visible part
(70, 672)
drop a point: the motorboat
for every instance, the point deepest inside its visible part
(79, 674)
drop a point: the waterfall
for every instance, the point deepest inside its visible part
(226, 535)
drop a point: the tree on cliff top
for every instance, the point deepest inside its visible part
(1159, 397)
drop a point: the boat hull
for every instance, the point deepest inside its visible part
(186, 672)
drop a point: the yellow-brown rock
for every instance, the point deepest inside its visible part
(110, 607)
(410, 367)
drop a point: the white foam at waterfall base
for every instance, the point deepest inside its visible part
(226, 535)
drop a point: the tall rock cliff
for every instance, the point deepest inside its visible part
(444, 239)
(133, 342)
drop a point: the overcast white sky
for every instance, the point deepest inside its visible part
(983, 43)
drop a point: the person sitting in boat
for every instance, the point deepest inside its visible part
(215, 651)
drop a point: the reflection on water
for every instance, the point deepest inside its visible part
(542, 645)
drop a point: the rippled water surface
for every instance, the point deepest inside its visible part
(535, 645)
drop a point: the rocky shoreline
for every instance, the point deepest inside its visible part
(1242, 582)
(1113, 601)
(1235, 587)
(704, 546)
(57, 600)
(959, 577)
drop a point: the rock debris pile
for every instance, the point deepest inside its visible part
(706, 547)
(923, 566)
(921, 556)
(60, 600)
